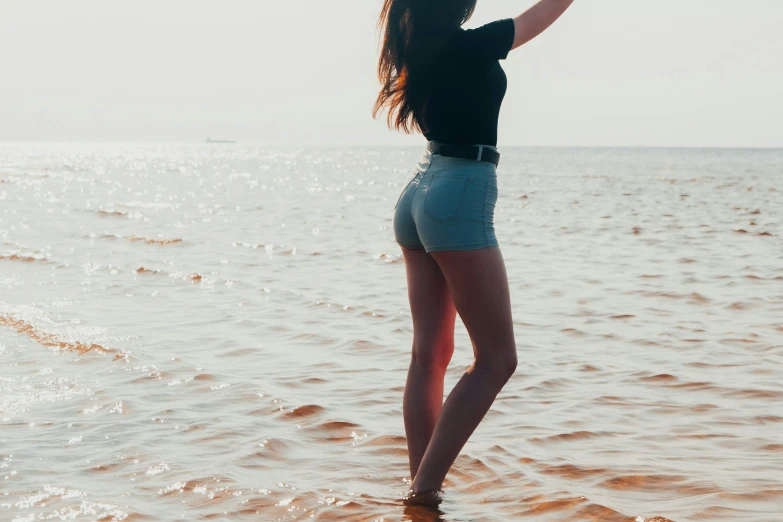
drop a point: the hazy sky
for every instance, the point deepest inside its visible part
(610, 72)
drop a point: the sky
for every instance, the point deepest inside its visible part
(702, 73)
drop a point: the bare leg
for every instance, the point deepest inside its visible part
(465, 407)
(479, 288)
(422, 402)
(434, 317)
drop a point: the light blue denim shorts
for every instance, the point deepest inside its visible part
(448, 204)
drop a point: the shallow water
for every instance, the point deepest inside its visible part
(223, 332)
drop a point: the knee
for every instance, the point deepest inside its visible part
(502, 364)
(433, 358)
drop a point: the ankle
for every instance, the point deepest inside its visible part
(424, 487)
(427, 497)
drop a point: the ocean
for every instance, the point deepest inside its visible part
(222, 332)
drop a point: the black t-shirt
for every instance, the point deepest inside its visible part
(468, 85)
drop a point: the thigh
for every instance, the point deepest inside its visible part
(478, 285)
(433, 311)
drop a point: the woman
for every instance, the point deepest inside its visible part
(447, 83)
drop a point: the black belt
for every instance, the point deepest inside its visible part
(474, 152)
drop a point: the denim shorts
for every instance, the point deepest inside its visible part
(449, 204)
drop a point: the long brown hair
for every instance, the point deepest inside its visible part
(413, 32)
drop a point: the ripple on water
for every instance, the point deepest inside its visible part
(540, 505)
(23, 258)
(573, 436)
(599, 513)
(112, 213)
(142, 270)
(155, 241)
(661, 377)
(61, 340)
(573, 472)
(650, 366)
(299, 412)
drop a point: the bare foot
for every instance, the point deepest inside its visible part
(430, 497)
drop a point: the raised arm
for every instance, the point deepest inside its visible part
(535, 20)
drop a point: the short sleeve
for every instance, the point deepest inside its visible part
(492, 41)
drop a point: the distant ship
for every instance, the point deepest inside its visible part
(209, 140)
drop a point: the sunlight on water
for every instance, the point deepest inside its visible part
(223, 332)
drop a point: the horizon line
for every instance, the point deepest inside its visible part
(389, 145)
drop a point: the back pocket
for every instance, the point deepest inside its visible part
(444, 197)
